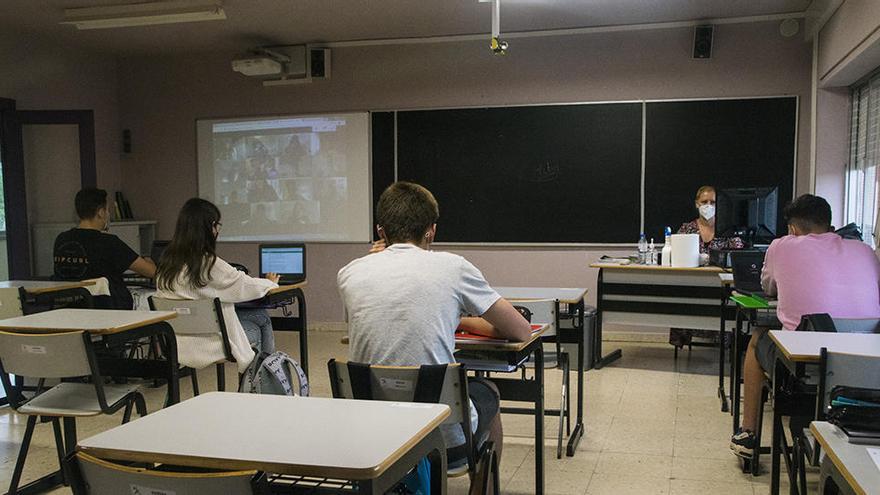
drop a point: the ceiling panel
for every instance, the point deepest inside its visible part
(255, 22)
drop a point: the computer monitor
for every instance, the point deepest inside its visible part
(750, 213)
(287, 260)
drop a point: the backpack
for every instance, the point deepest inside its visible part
(274, 374)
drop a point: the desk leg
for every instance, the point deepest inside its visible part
(721, 340)
(539, 420)
(578, 432)
(736, 365)
(776, 441)
(599, 360)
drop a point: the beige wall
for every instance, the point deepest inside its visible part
(832, 148)
(163, 96)
(41, 75)
(852, 29)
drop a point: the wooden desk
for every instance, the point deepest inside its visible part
(372, 442)
(44, 287)
(845, 462)
(659, 296)
(575, 334)
(518, 390)
(804, 347)
(113, 327)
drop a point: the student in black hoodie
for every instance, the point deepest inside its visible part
(88, 251)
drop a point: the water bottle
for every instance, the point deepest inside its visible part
(652, 253)
(643, 249)
(666, 254)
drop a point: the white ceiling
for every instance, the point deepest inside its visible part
(262, 22)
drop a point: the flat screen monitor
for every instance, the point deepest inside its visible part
(287, 260)
(747, 212)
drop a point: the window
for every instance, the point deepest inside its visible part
(861, 172)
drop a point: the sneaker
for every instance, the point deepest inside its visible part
(743, 444)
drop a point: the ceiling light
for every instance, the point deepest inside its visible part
(144, 14)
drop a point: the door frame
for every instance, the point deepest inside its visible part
(14, 185)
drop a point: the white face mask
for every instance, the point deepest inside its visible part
(707, 211)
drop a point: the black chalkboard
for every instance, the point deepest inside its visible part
(533, 174)
(724, 143)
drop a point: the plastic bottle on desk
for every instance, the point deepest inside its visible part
(666, 253)
(643, 249)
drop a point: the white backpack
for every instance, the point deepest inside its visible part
(274, 374)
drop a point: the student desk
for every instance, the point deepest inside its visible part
(373, 443)
(847, 464)
(519, 390)
(658, 296)
(796, 350)
(747, 308)
(726, 280)
(283, 297)
(574, 298)
(43, 290)
(112, 327)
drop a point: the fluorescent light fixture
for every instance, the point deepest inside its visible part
(144, 14)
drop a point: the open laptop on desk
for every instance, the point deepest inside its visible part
(747, 267)
(287, 260)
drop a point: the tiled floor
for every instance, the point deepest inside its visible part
(653, 426)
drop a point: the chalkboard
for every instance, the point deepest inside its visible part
(724, 143)
(531, 174)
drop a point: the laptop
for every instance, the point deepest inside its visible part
(747, 266)
(287, 260)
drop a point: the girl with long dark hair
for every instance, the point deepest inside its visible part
(191, 269)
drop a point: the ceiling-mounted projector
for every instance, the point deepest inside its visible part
(261, 62)
(257, 66)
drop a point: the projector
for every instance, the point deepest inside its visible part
(258, 65)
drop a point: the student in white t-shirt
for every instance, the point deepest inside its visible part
(404, 302)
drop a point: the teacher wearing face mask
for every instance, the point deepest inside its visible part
(705, 224)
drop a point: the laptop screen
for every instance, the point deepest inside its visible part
(287, 260)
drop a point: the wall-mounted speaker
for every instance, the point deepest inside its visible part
(319, 63)
(126, 140)
(703, 41)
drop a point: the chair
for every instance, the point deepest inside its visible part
(823, 322)
(90, 475)
(836, 369)
(544, 311)
(198, 317)
(59, 356)
(440, 384)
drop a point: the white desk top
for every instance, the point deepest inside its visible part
(310, 436)
(805, 346)
(96, 321)
(41, 286)
(726, 278)
(561, 294)
(852, 460)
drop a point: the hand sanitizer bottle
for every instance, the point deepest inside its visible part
(666, 253)
(652, 253)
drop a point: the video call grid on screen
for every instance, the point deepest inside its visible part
(300, 178)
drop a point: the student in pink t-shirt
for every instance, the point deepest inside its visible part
(811, 270)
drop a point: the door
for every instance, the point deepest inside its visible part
(48, 156)
(45, 158)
